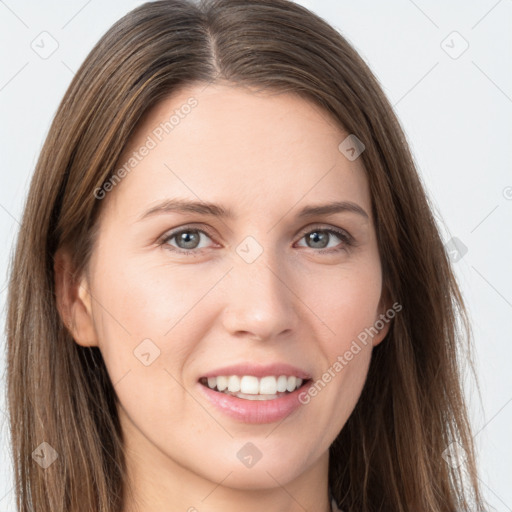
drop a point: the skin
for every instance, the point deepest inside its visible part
(265, 156)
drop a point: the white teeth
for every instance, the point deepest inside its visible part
(282, 383)
(268, 386)
(234, 383)
(256, 397)
(250, 385)
(291, 383)
(222, 383)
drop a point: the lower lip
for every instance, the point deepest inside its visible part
(255, 411)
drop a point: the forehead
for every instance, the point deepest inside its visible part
(252, 151)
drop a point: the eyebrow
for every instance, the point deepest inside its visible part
(215, 210)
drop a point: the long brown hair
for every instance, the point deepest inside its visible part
(390, 454)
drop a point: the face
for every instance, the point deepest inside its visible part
(173, 295)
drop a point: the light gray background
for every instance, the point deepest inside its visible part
(455, 108)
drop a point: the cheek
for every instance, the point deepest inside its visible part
(149, 299)
(347, 301)
(347, 304)
(147, 317)
(140, 315)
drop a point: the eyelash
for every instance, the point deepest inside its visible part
(347, 240)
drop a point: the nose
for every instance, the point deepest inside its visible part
(260, 303)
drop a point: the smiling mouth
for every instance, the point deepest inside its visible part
(267, 388)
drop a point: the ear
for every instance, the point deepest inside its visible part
(382, 320)
(74, 300)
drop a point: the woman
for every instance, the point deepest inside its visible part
(177, 340)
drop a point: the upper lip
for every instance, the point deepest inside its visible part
(275, 369)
